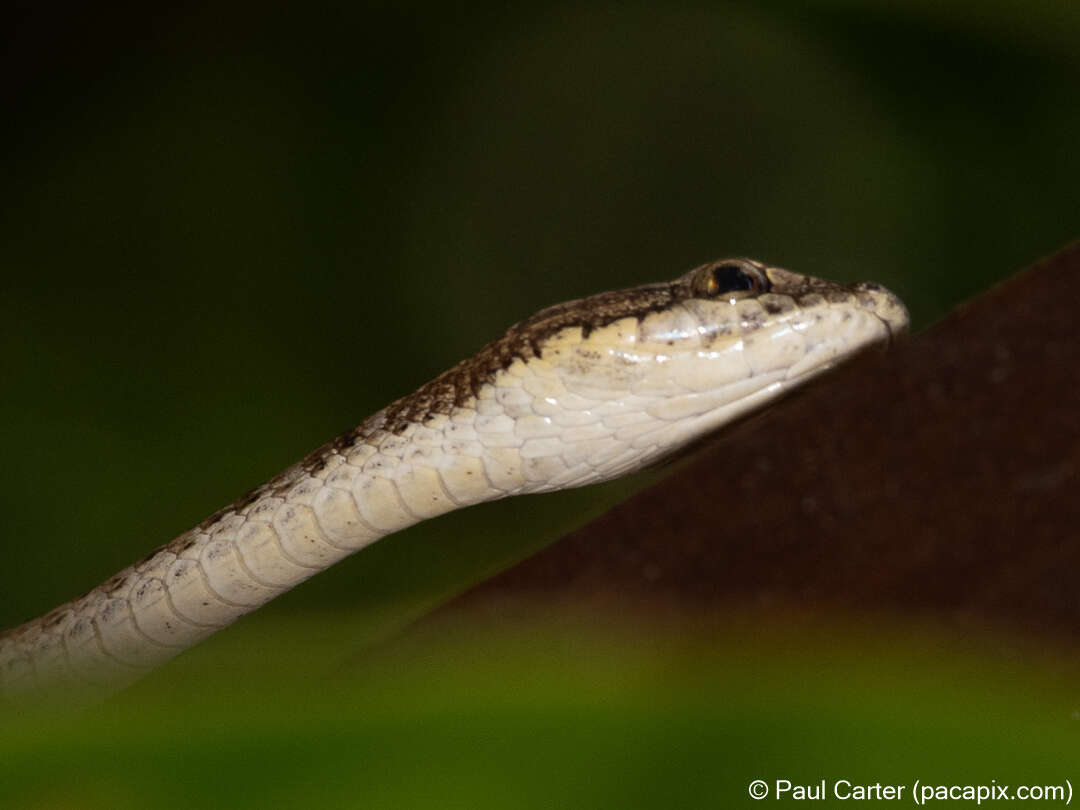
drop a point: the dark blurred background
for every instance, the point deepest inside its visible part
(232, 231)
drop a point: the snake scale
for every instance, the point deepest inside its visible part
(580, 392)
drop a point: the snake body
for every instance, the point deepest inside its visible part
(579, 393)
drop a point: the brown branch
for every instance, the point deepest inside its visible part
(940, 478)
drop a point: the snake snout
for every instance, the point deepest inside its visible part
(885, 305)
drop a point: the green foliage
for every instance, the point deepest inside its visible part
(558, 713)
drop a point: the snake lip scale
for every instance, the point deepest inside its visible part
(580, 392)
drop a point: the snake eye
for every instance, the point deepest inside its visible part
(732, 277)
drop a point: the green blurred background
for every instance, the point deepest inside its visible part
(232, 231)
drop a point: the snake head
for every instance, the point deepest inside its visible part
(637, 374)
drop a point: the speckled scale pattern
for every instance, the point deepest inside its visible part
(579, 393)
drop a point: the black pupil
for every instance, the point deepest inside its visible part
(731, 277)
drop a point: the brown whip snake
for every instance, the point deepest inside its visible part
(581, 392)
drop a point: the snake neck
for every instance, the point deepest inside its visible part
(367, 484)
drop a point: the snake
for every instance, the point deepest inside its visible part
(578, 393)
